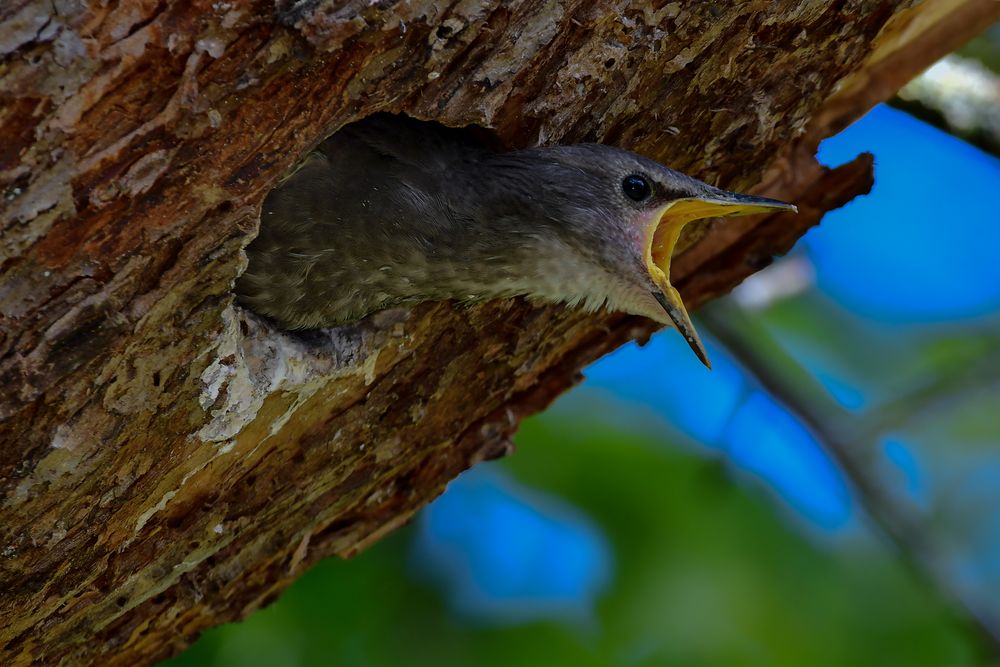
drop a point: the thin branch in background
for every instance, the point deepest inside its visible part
(752, 346)
(959, 95)
(967, 375)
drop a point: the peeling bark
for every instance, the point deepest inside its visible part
(169, 462)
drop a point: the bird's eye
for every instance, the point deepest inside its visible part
(636, 187)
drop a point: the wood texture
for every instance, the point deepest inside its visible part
(167, 461)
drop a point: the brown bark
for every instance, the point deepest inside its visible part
(168, 462)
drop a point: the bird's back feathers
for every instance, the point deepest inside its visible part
(352, 229)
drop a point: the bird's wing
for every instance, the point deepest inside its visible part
(347, 231)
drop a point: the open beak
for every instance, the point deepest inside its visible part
(665, 226)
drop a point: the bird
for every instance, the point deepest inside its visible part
(391, 210)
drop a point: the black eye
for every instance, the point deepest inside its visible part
(636, 187)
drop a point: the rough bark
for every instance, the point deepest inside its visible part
(169, 462)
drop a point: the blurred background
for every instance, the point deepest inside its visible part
(828, 495)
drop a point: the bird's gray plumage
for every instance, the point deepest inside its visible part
(390, 210)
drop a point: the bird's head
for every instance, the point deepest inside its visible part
(625, 213)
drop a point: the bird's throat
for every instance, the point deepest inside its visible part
(662, 242)
(663, 229)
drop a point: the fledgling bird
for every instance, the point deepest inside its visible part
(391, 210)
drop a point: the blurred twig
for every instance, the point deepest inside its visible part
(962, 376)
(959, 95)
(792, 385)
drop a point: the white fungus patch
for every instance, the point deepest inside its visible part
(254, 361)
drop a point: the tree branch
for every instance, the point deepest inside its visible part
(792, 385)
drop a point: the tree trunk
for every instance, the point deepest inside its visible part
(169, 462)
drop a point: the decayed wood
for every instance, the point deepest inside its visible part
(169, 462)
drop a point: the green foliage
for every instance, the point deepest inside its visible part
(985, 48)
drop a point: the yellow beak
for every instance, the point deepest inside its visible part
(665, 228)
